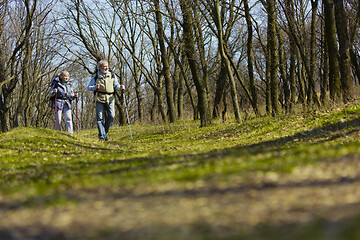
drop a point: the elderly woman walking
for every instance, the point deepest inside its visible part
(62, 96)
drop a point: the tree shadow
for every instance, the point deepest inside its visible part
(265, 230)
(319, 134)
(138, 165)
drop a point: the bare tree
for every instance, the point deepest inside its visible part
(22, 24)
(203, 103)
(250, 59)
(225, 59)
(165, 62)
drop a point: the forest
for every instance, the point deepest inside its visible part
(180, 59)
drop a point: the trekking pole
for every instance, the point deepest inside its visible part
(55, 115)
(127, 113)
(76, 115)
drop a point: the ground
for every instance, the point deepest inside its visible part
(271, 178)
(325, 196)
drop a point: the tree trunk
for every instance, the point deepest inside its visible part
(5, 113)
(219, 92)
(344, 50)
(139, 100)
(293, 53)
(302, 87)
(203, 103)
(324, 71)
(201, 49)
(312, 95)
(273, 64)
(285, 86)
(180, 97)
(267, 81)
(353, 53)
(355, 64)
(224, 58)
(330, 33)
(253, 91)
(160, 100)
(165, 62)
(118, 103)
(24, 95)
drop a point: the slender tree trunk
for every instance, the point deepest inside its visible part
(118, 103)
(324, 70)
(353, 54)
(312, 95)
(5, 113)
(180, 97)
(226, 61)
(344, 50)
(224, 111)
(293, 53)
(153, 109)
(201, 49)
(203, 103)
(272, 46)
(253, 91)
(355, 64)
(219, 92)
(165, 62)
(176, 79)
(122, 119)
(184, 72)
(139, 100)
(267, 81)
(182, 81)
(160, 99)
(301, 82)
(282, 68)
(330, 33)
(24, 95)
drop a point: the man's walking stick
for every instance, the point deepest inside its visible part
(127, 113)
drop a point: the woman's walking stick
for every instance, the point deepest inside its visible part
(55, 115)
(127, 113)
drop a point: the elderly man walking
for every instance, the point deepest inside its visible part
(104, 83)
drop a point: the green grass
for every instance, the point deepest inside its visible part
(36, 161)
(49, 165)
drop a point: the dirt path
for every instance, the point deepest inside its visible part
(259, 207)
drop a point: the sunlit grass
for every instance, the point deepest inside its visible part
(43, 161)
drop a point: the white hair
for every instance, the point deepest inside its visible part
(64, 73)
(102, 63)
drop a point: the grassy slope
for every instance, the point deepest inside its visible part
(42, 168)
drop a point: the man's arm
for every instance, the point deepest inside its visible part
(91, 86)
(117, 86)
(116, 83)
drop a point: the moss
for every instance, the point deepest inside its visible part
(43, 161)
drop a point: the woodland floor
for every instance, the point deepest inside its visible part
(312, 201)
(320, 201)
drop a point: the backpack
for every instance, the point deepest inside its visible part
(98, 70)
(97, 75)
